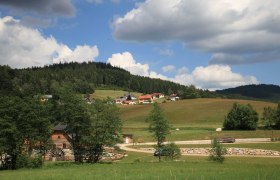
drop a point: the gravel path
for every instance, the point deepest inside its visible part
(237, 141)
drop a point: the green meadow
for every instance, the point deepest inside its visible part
(193, 119)
(143, 166)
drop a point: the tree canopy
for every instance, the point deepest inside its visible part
(241, 117)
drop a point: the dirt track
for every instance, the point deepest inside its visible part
(238, 141)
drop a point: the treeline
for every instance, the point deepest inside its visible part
(244, 117)
(84, 78)
(261, 91)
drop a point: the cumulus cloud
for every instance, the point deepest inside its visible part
(219, 77)
(168, 68)
(44, 7)
(236, 32)
(21, 47)
(126, 61)
(211, 77)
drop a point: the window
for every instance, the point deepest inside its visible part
(64, 145)
(58, 137)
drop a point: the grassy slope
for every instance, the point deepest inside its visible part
(206, 113)
(196, 118)
(148, 168)
(102, 94)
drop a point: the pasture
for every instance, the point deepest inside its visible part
(143, 166)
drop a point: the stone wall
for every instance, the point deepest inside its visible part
(230, 151)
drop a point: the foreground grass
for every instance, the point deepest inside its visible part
(142, 166)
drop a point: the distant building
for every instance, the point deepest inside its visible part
(62, 149)
(174, 97)
(145, 99)
(46, 97)
(127, 138)
(157, 95)
(126, 99)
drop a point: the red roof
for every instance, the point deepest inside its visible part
(147, 96)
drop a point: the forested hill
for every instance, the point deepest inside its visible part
(262, 91)
(84, 78)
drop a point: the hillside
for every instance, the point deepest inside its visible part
(196, 118)
(262, 92)
(85, 78)
(205, 112)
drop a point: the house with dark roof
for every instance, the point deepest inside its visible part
(62, 148)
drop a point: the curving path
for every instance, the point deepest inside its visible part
(237, 141)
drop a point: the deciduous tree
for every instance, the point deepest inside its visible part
(159, 126)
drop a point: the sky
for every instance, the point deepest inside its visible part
(213, 44)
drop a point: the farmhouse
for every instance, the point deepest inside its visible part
(157, 95)
(127, 99)
(127, 138)
(174, 97)
(62, 149)
(145, 99)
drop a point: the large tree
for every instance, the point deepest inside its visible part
(241, 117)
(159, 126)
(73, 112)
(105, 129)
(277, 117)
(24, 127)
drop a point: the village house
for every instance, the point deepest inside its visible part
(126, 99)
(62, 149)
(127, 138)
(157, 95)
(145, 99)
(174, 97)
(46, 97)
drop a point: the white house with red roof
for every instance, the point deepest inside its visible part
(145, 99)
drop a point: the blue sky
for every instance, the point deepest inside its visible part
(211, 44)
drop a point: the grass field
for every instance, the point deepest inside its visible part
(103, 94)
(196, 119)
(143, 166)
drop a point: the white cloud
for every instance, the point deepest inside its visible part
(126, 61)
(247, 31)
(168, 68)
(21, 47)
(182, 70)
(210, 77)
(214, 77)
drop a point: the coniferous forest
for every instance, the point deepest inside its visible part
(84, 78)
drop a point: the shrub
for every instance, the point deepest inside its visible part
(217, 152)
(241, 117)
(24, 161)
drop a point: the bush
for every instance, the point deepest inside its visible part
(217, 152)
(24, 161)
(241, 117)
(173, 151)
